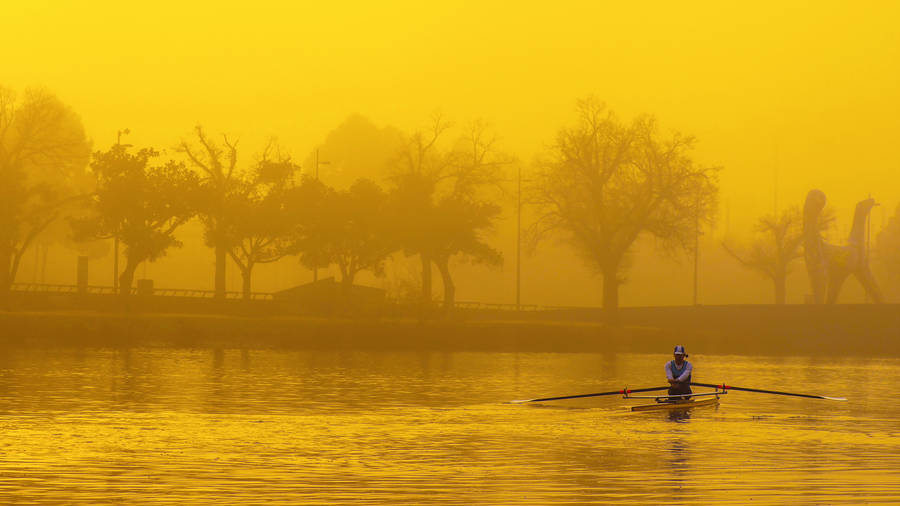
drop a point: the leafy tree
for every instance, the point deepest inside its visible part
(442, 200)
(142, 205)
(306, 207)
(358, 235)
(418, 168)
(778, 243)
(258, 224)
(349, 228)
(43, 154)
(468, 212)
(603, 183)
(356, 149)
(221, 188)
(459, 224)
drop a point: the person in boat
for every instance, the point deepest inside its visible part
(678, 372)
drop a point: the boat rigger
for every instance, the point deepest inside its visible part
(680, 401)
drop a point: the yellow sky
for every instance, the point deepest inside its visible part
(806, 93)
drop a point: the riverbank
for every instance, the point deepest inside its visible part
(791, 330)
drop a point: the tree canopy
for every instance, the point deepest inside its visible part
(43, 156)
(355, 231)
(256, 225)
(603, 183)
(220, 185)
(140, 204)
(444, 198)
(777, 244)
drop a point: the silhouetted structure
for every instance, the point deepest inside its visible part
(326, 296)
(829, 265)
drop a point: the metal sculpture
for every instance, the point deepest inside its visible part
(829, 265)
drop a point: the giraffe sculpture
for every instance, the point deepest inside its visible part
(829, 265)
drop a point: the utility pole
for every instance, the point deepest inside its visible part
(868, 239)
(115, 235)
(315, 266)
(775, 184)
(519, 243)
(696, 248)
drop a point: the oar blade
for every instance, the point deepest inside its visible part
(773, 392)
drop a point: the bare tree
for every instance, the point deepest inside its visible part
(772, 253)
(43, 155)
(603, 184)
(217, 162)
(777, 245)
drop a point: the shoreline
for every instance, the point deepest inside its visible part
(739, 330)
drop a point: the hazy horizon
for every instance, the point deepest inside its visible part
(784, 98)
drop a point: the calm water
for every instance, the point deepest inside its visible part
(204, 426)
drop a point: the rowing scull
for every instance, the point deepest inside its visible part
(677, 402)
(677, 405)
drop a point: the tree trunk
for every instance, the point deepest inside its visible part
(449, 288)
(221, 253)
(425, 303)
(780, 283)
(45, 251)
(347, 280)
(127, 277)
(611, 295)
(6, 274)
(247, 275)
(348, 302)
(426, 279)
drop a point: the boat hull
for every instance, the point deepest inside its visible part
(668, 406)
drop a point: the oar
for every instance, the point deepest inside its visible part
(614, 392)
(757, 390)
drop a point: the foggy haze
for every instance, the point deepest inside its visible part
(783, 99)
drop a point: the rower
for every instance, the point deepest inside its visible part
(678, 372)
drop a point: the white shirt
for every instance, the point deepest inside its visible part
(684, 375)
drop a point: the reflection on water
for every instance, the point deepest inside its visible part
(162, 425)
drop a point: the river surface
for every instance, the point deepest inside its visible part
(230, 426)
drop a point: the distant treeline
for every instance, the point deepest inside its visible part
(599, 186)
